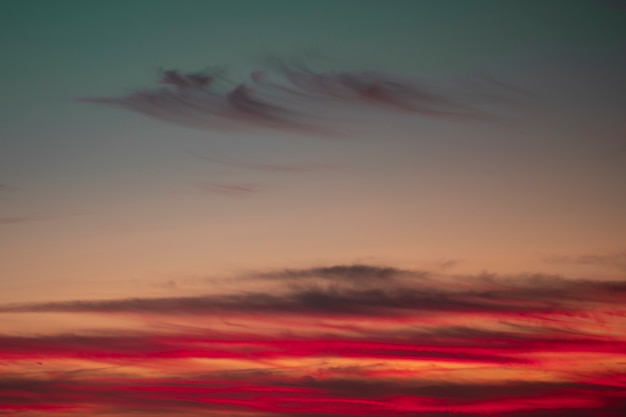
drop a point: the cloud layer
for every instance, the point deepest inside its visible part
(334, 340)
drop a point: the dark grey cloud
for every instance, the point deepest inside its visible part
(618, 4)
(353, 272)
(372, 291)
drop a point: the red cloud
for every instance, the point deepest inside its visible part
(351, 340)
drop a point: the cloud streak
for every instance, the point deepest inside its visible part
(267, 167)
(229, 190)
(373, 291)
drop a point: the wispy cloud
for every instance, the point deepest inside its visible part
(229, 189)
(292, 96)
(611, 260)
(18, 219)
(6, 220)
(266, 166)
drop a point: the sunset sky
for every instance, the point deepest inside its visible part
(313, 208)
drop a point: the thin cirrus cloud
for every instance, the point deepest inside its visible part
(612, 260)
(297, 102)
(266, 166)
(229, 189)
(4, 190)
(335, 340)
(7, 220)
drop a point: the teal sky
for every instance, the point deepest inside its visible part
(136, 199)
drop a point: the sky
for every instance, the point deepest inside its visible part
(313, 208)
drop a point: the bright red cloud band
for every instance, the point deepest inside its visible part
(543, 346)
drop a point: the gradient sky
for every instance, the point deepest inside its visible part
(382, 207)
